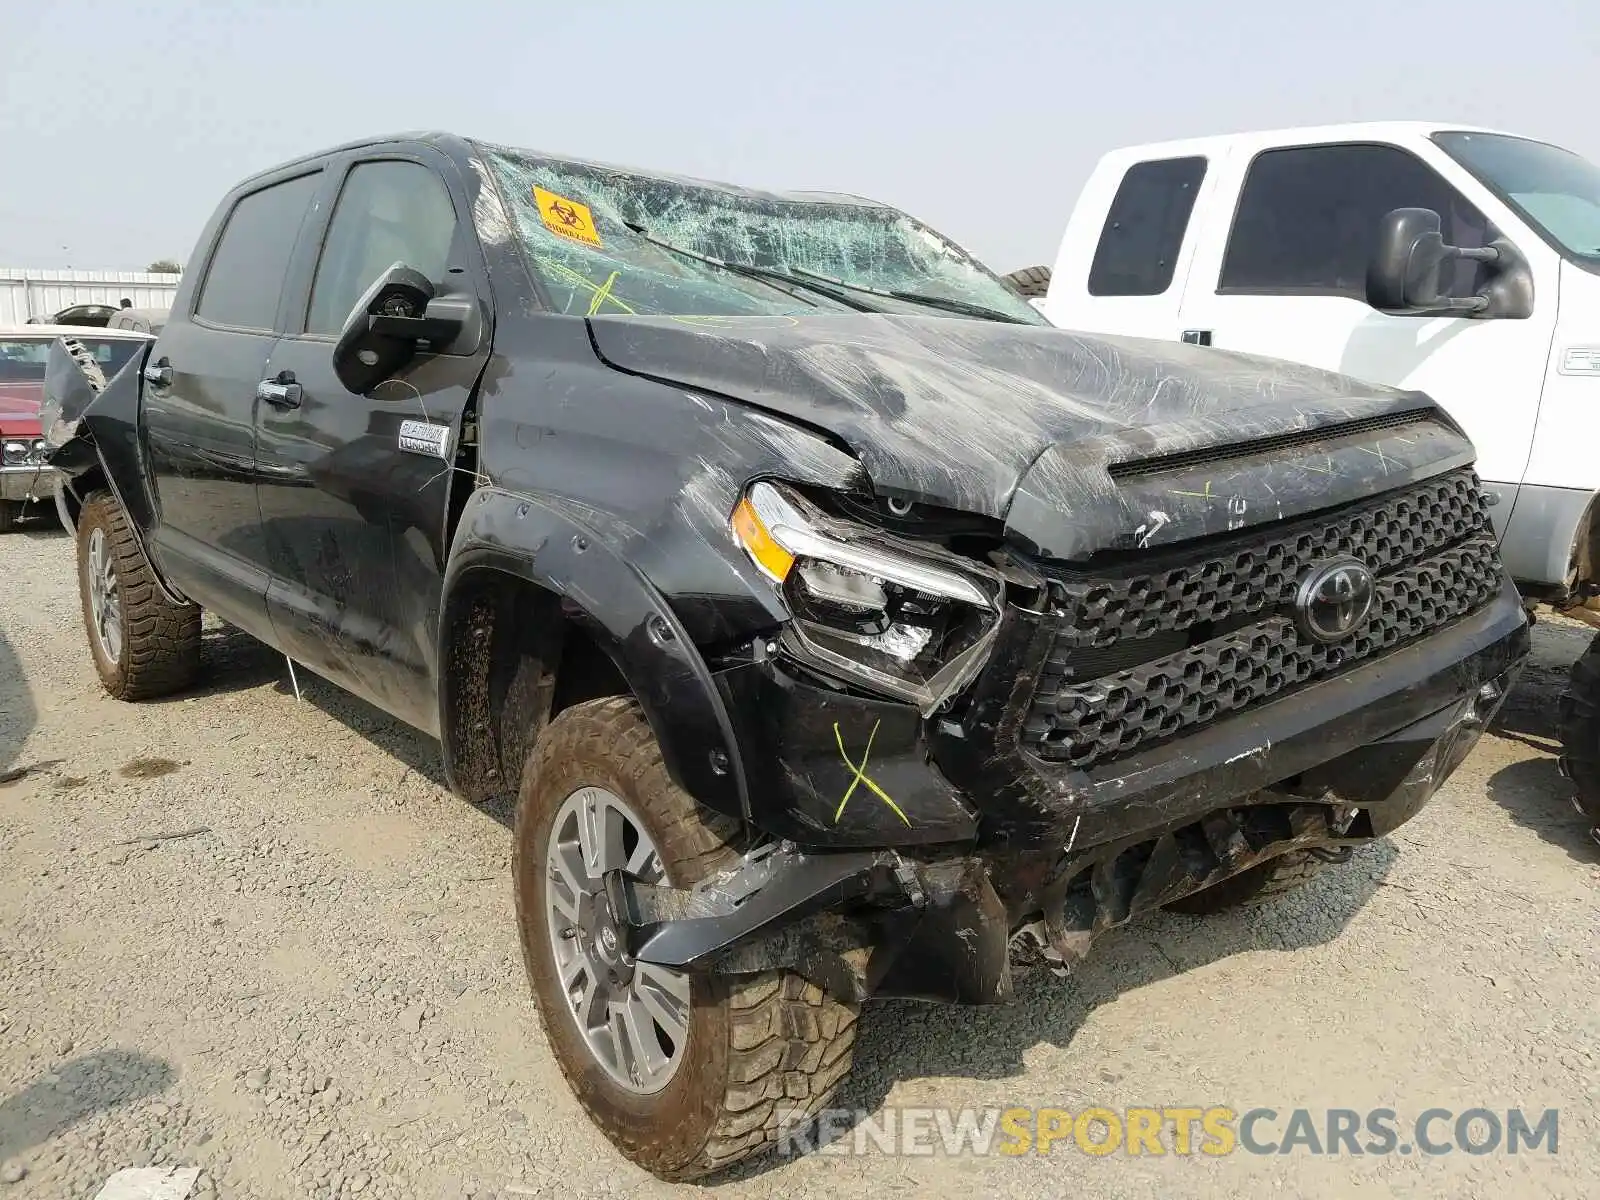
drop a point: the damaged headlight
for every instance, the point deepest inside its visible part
(868, 607)
(17, 453)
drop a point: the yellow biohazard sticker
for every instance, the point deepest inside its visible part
(566, 217)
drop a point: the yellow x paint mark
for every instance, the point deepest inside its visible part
(1326, 469)
(860, 774)
(562, 271)
(603, 294)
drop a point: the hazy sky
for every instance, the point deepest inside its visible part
(123, 121)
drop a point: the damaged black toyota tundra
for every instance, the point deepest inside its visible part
(841, 630)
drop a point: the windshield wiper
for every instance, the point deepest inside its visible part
(761, 274)
(945, 302)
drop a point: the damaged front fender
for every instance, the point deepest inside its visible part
(549, 547)
(91, 435)
(86, 427)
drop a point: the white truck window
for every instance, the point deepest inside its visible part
(1308, 218)
(1144, 228)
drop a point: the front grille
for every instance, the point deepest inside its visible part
(1431, 548)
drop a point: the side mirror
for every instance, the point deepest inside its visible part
(1404, 276)
(394, 317)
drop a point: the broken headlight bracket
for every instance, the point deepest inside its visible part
(686, 928)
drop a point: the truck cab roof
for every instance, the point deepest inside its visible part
(461, 147)
(1375, 131)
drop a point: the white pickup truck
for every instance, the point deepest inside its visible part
(1460, 262)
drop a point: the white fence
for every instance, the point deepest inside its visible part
(25, 294)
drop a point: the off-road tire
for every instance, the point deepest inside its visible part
(1578, 725)
(1261, 883)
(160, 640)
(762, 1049)
(10, 515)
(1030, 281)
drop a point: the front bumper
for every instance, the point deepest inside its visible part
(892, 923)
(1265, 747)
(917, 867)
(832, 770)
(28, 483)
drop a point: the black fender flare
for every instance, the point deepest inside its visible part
(557, 551)
(101, 437)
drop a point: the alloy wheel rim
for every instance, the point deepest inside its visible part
(105, 600)
(633, 1016)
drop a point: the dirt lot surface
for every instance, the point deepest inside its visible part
(258, 937)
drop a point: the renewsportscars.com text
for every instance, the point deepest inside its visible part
(1212, 1131)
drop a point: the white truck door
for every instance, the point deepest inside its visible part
(1127, 247)
(1285, 276)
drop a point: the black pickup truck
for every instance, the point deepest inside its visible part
(842, 629)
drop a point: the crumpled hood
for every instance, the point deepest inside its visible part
(19, 409)
(1048, 429)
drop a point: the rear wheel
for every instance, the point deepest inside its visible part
(143, 644)
(1263, 882)
(1579, 728)
(1030, 281)
(686, 1074)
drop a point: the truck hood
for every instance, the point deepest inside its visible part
(1078, 443)
(19, 409)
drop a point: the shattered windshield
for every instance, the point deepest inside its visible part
(605, 240)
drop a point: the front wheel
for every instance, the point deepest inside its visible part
(686, 1074)
(10, 515)
(142, 643)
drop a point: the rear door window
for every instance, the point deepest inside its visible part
(246, 274)
(1144, 230)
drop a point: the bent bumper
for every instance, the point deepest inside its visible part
(1429, 688)
(28, 483)
(830, 770)
(974, 841)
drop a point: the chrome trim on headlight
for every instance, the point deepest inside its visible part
(866, 636)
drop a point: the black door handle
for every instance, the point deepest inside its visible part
(159, 375)
(281, 391)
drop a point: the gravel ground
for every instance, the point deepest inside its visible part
(258, 937)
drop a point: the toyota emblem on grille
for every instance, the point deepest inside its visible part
(1334, 599)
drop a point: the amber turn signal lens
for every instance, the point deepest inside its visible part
(753, 536)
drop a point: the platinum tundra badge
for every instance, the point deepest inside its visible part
(424, 437)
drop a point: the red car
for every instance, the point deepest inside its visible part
(26, 483)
